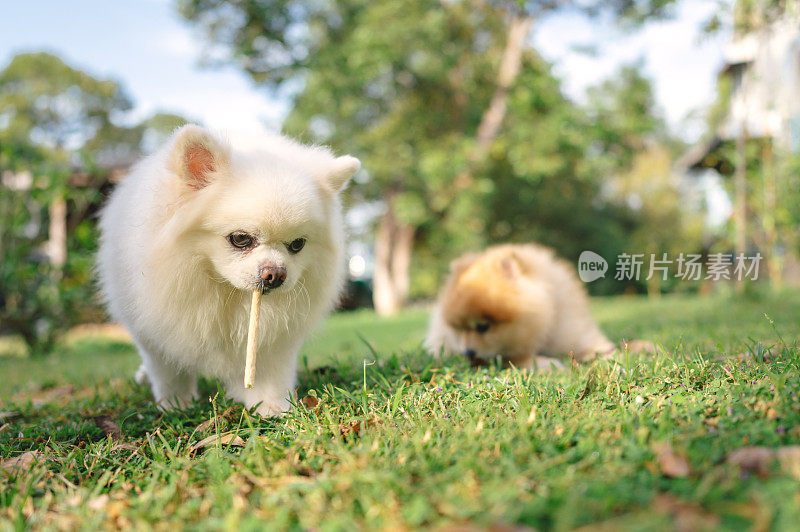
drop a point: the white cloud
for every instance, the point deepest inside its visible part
(234, 108)
(178, 43)
(681, 63)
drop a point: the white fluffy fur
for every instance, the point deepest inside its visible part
(169, 274)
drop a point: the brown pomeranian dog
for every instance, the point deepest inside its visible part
(516, 302)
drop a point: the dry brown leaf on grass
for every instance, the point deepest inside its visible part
(753, 459)
(207, 424)
(224, 439)
(356, 426)
(310, 402)
(21, 462)
(125, 446)
(109, 427)
(353, 427)
(672, 464)
(4, 427)
(220, 421)
(758, 459)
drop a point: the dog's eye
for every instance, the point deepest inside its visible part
(481, 327)
(240, 240)
(296, 245)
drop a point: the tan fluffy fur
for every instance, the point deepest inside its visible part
(531, 300)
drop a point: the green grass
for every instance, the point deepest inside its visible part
(406, 441)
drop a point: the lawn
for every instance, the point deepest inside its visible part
(387, 438)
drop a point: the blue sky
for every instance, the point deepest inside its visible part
(146, 46)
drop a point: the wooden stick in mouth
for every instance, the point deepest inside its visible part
(252, 340)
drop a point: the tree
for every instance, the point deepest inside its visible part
(636, 154)
(419, 90)
(56, 124)
(115, 146)
(47, 103)
(622, 113)
(30, 301)
(745, 16)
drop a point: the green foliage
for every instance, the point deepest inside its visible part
(787, 215)
(745, 16)
(58, 142)
(33, 305)
(120, 146)
(47, 108)
(634, 153)
(753, 15)
(543, 175)
(47, 102)
(408, 442)
(30, 303)
(279, 41)
(38, 300)
(622, 112)
(404, 86)
(408, 100)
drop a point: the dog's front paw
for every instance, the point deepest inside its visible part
(176, 401)
(269, 409)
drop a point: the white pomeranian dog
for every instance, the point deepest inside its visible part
(193, 230)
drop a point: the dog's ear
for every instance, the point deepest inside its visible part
(336, 175)
(511, 266)
(197, 156)
(462, 263)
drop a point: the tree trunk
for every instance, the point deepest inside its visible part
(740, 199)
(57, 233)
(768, 224)
(394, 242)
(492, 118)
(401, 261)
(654, 286)
(510, 65)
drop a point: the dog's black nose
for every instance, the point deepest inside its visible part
(272, 276)
(470, 354)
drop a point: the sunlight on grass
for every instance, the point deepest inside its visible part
(413, 442)
(93, 353)
(13, 346)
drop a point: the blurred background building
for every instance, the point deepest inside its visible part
(754, 132)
